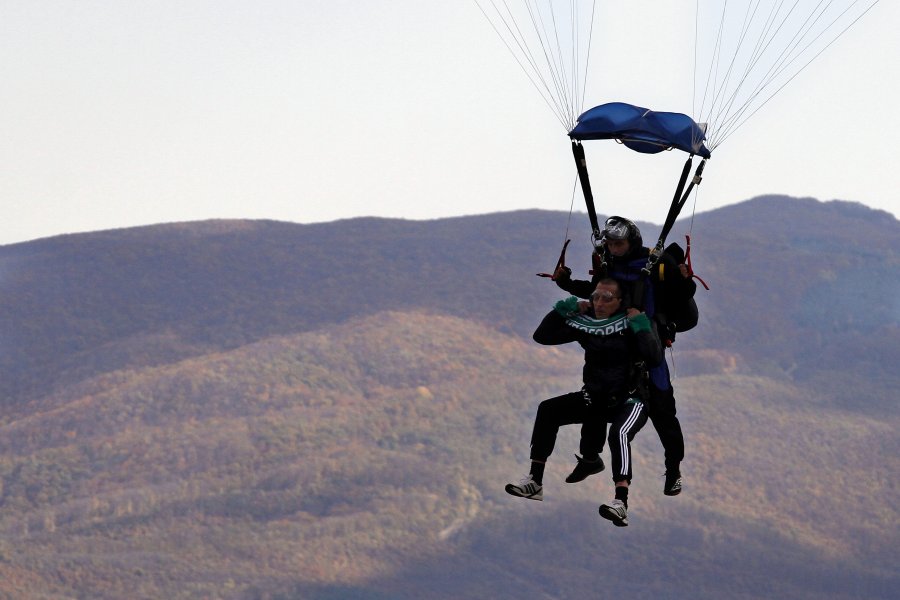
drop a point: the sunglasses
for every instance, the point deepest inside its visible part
(603, 297)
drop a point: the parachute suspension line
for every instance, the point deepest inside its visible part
(713, 67)
(725, 106)
(552, 59)
(789, 55)
(693, 211)
(728, 98)
(570, 92)
(571, 87)
(719, 87)
(587, 60)
(562, 255)
(694, 112)
(571, 205)
(523, 56)
(782, 62)
(737, 124)
(573, 60)
(535, 32)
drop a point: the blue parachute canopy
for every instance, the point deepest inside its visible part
(641, 129)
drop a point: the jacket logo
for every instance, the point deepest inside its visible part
(598, 327)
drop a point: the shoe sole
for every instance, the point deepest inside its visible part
(611, 516)
(513, 491)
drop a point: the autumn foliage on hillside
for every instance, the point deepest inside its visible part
(342, 457)
(237, 409)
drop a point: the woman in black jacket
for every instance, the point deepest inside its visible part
(619, 346)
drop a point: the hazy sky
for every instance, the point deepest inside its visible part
(118, 113)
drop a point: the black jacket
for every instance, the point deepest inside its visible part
(609, 356)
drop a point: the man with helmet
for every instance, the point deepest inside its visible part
(666, 295)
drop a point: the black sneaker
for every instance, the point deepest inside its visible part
(584, 469)
(615, 512)
(672, 486)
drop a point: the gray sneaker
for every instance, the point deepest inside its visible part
(527, 488)
(615, 512)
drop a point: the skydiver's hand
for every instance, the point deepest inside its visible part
(562, 273)
(685, 272)
(584, 306)
(632, 312)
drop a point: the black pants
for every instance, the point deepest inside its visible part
(660, 407)
(625, 420)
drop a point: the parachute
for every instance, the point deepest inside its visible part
(744, 54)
(641, 129)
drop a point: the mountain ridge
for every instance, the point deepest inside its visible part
(264, 410)
(83, 304)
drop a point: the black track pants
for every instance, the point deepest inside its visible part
(625, 421)
(661, 409)
(567, 409)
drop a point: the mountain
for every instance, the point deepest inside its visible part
(264, 410)
(787, 276)
(79, 305)
(810, 291)
(320, 465)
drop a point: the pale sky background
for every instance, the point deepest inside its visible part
(119, 113)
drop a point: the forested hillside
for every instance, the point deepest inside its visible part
(808, 291)
(80, 305)
(372, 457)
(264, 410)
(787, 276)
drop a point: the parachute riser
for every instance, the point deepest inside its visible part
(678, 201)
(581, 165)
(598, 260)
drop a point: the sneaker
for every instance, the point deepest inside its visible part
(527, 488)
(615, 512)
(672, 486)
(584, 469)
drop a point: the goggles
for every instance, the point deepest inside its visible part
(603, 297)
(615, 229)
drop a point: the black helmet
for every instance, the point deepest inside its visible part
(619, 228)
